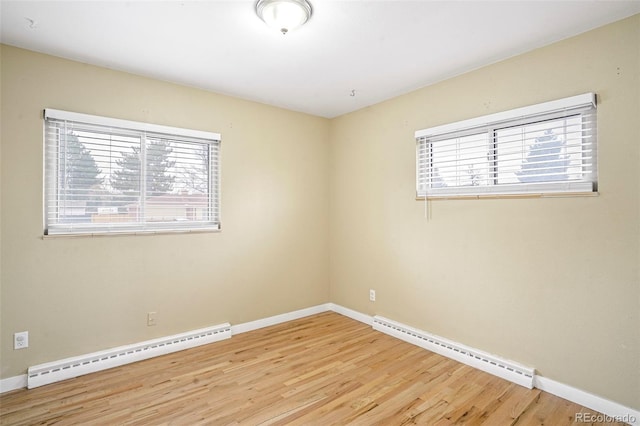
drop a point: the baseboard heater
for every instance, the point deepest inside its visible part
(492, 364)
(56, 371)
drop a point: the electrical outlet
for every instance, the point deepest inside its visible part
(372, 295)
(21, 340)
(151, 318)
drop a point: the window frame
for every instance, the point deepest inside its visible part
(581, 105)
(94, 124)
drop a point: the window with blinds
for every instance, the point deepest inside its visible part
(547, 148)
(105, 176)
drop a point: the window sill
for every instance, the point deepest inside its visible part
(502, 196)
(130, 233)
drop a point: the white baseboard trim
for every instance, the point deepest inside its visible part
(367, 319)
(13, 383)
(616, 411)
(278, 319)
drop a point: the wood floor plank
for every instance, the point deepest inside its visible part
(323, 370)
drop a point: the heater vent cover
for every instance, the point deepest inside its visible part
(56, 371)
(492, 364)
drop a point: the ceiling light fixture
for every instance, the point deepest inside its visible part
(284, 15)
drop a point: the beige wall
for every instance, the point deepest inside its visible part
(317, 210)
(551, 283)
(78, 295)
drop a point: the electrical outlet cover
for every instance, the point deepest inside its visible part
(151, 318)
(21, 340)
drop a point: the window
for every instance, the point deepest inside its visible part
(105, 176)
(548, 148)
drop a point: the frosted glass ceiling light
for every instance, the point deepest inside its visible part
(284, 15)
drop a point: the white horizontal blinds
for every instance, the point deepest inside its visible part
(556, 150)
(423, 166)
(542, 152)
(103, 179)
(461, 161)
(177, 181)
(214, 182)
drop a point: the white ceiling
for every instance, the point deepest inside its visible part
(379, 49)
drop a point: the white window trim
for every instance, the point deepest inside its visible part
(126, 124)
(541, 189)
(98, 230)
(579, 101)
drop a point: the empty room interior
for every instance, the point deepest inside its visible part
(320, 212)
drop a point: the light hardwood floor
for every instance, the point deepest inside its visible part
(321, 370)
